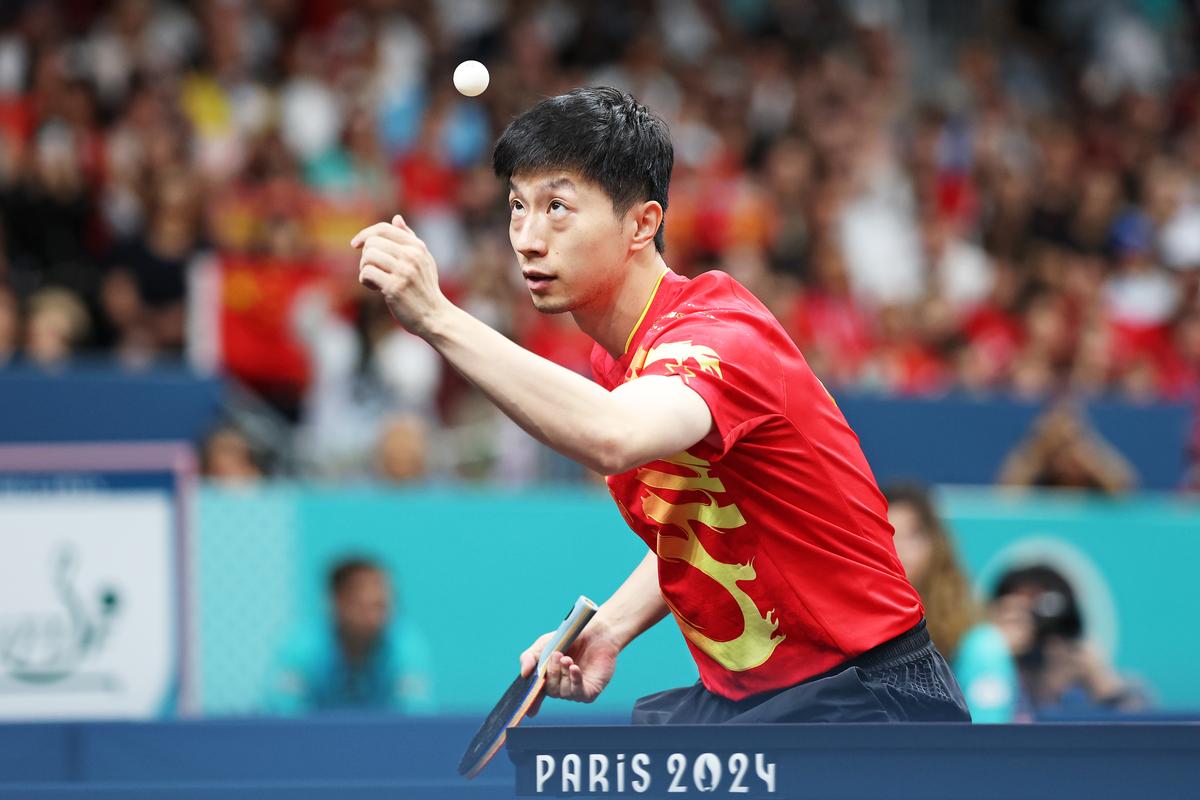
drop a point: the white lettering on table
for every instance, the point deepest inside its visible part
(572, 768)
(639, 764)
(598, 773)
(545, 769)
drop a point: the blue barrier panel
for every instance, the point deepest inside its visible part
(964, 440)
(100, 404)
(36, 753)
(860, 762)
(952, 439)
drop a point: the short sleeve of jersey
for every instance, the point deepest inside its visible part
(723, 357)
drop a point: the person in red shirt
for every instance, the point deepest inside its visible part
(768, 536)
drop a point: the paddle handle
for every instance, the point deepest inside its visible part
(583, 610)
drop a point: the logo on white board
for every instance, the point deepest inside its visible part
(87, 605)
(51, 646)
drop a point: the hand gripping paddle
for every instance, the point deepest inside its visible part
(520, 695)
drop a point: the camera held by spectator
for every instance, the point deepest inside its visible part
(1061, 670)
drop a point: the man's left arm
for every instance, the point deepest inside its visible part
(609, 432)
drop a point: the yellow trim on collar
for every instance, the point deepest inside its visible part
(645, 311)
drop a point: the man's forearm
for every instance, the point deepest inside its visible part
(560, 408)
(635, 607)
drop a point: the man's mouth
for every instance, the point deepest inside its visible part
(537, 281)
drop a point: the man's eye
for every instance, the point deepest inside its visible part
(557, 206)
(515, 206)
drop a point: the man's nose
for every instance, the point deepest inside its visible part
(528, 239)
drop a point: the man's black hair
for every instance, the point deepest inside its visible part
(343, 571)
(602, 134)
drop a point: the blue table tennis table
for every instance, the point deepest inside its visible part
(386, 758)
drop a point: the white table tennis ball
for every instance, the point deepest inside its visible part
(471, 78)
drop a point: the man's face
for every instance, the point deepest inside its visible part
(570, 244)
(363, 605)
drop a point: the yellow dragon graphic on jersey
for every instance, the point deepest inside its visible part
(678, 356)
(758, 638)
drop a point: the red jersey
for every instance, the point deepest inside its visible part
(774, 550)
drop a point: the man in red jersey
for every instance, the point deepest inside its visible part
(768, 537)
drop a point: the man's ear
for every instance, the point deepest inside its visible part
(646, 218)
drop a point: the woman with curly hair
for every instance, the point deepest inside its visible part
(977, 651)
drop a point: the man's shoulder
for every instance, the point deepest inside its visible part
(716, 290)
(713, 299)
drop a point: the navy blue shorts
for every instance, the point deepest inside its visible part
(902, 680)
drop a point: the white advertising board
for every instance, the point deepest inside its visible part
(88, 604)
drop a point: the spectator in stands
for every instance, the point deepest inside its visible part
(977, 651)
(402, 451)
(1064, 452)
(228, 457)
(1181, 373)
(47, 209)
(1021, 214)
(144, 290)
(55, 324)
(10, 326)
(365, 658)
(1061, 671)
(361, 377)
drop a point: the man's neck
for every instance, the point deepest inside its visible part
(612, 323)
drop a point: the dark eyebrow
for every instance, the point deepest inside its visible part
(562, 182)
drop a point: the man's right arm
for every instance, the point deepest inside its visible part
(607, 431)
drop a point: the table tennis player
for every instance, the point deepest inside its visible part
(767, 534)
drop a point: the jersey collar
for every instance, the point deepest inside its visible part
(665, 288)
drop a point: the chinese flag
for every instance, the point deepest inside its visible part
(257, 343)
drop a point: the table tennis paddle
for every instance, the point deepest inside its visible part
(520, 695)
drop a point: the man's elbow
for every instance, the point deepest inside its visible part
(614, 453)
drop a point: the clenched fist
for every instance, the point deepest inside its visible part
(398, 265)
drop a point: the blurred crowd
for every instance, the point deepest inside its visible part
(931, 196)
